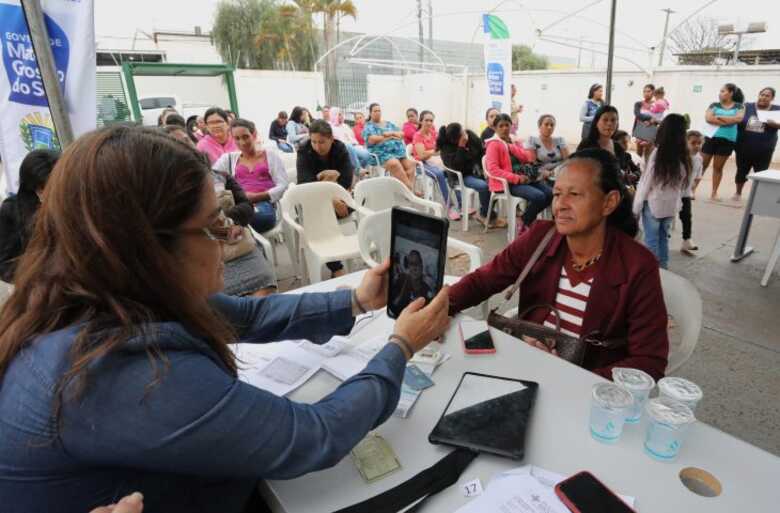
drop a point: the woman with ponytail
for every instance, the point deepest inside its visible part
(603, 282)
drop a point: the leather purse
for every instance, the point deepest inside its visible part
(243, 246)
(570, 348)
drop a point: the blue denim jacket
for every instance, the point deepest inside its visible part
(198, 440)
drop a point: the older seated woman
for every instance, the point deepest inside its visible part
(593, 271)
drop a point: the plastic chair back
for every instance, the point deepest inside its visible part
(309, 209)
(374, 237)
(684, 304)
(385, 192)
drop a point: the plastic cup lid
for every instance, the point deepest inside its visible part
(610, 395)
(680, 389)
(668, 411)
(633, 379)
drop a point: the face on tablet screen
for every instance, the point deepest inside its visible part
(415, 270)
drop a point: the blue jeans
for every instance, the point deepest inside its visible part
(538, 195)
(481, 186)
(264, 217)
(285, 146)
(440, 176)
(657, 233)
(360, 157)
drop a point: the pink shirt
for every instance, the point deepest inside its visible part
(409, 130)
(428, 142)
(213, 149)
(255, 180)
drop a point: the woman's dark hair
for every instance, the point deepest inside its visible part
(169, 129)
(104, 255)
(243, 123)
(449, 134)
(175, 119)
(282, 115)
(593, 89)
(736, 93)
(487, 112)
(648, 86)
(671, 152)
(592, 139)
(215, 111)
(502, 117)
(609, 179)
(410, 109)
(770, 89)
(371, 107)
(162, 118)
(425, 113)
(322, 127)
(545, 116)
(191, 125)
(33, 174)
(296, 114)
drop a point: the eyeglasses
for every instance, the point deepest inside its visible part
(223, 230)
(216, 123)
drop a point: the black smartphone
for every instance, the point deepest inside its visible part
(418, 250)
(584, 493)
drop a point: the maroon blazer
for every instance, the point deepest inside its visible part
(626, 300)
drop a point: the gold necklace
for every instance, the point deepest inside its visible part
(581, 267)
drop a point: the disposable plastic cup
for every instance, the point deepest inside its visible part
(668, 422)
(680, 390)
(608, 411)
(640, 384)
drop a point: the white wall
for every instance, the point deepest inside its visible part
(442, 94)
(262, 94)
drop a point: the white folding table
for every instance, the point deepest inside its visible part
(558, 440)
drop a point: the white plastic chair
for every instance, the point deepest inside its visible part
(386, 192)
(683, 303)
(308, 209)
(374, 242)
(466, 195)
(511, 203)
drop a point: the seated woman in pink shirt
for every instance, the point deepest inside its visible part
(218, 141)
(504, 159)
(411, 126)
(260, 173)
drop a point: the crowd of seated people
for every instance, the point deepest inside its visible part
(116, 279)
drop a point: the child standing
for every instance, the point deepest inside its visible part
(695, 141)
(660, 105)
(661, 186)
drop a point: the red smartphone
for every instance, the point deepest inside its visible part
(583, 493)
(481, 343)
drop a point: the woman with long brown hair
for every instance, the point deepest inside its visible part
(115, 370)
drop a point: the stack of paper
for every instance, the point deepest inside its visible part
(279, 367)
(526, 489)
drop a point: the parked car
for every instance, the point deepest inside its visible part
(153, 106)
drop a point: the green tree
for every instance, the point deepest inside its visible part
(265, 34)
(523, 57)
(332, 12)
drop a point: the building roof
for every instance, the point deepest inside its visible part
(753, 57)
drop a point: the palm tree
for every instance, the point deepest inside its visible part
(332, 12)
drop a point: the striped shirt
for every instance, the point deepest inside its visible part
(572, 300)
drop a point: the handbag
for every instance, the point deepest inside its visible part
(532, 171)
(569, 348)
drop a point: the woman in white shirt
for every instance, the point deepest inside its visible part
(659, 193)
(547, 150)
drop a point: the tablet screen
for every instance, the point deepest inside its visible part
(488, 414)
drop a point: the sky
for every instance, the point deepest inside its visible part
(639, 24)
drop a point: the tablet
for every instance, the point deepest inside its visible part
(487, 414)
(418, 245)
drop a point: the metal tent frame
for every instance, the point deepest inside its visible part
(130, 70)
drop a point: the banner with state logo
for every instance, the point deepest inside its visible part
(498, 62)
(25, 120)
